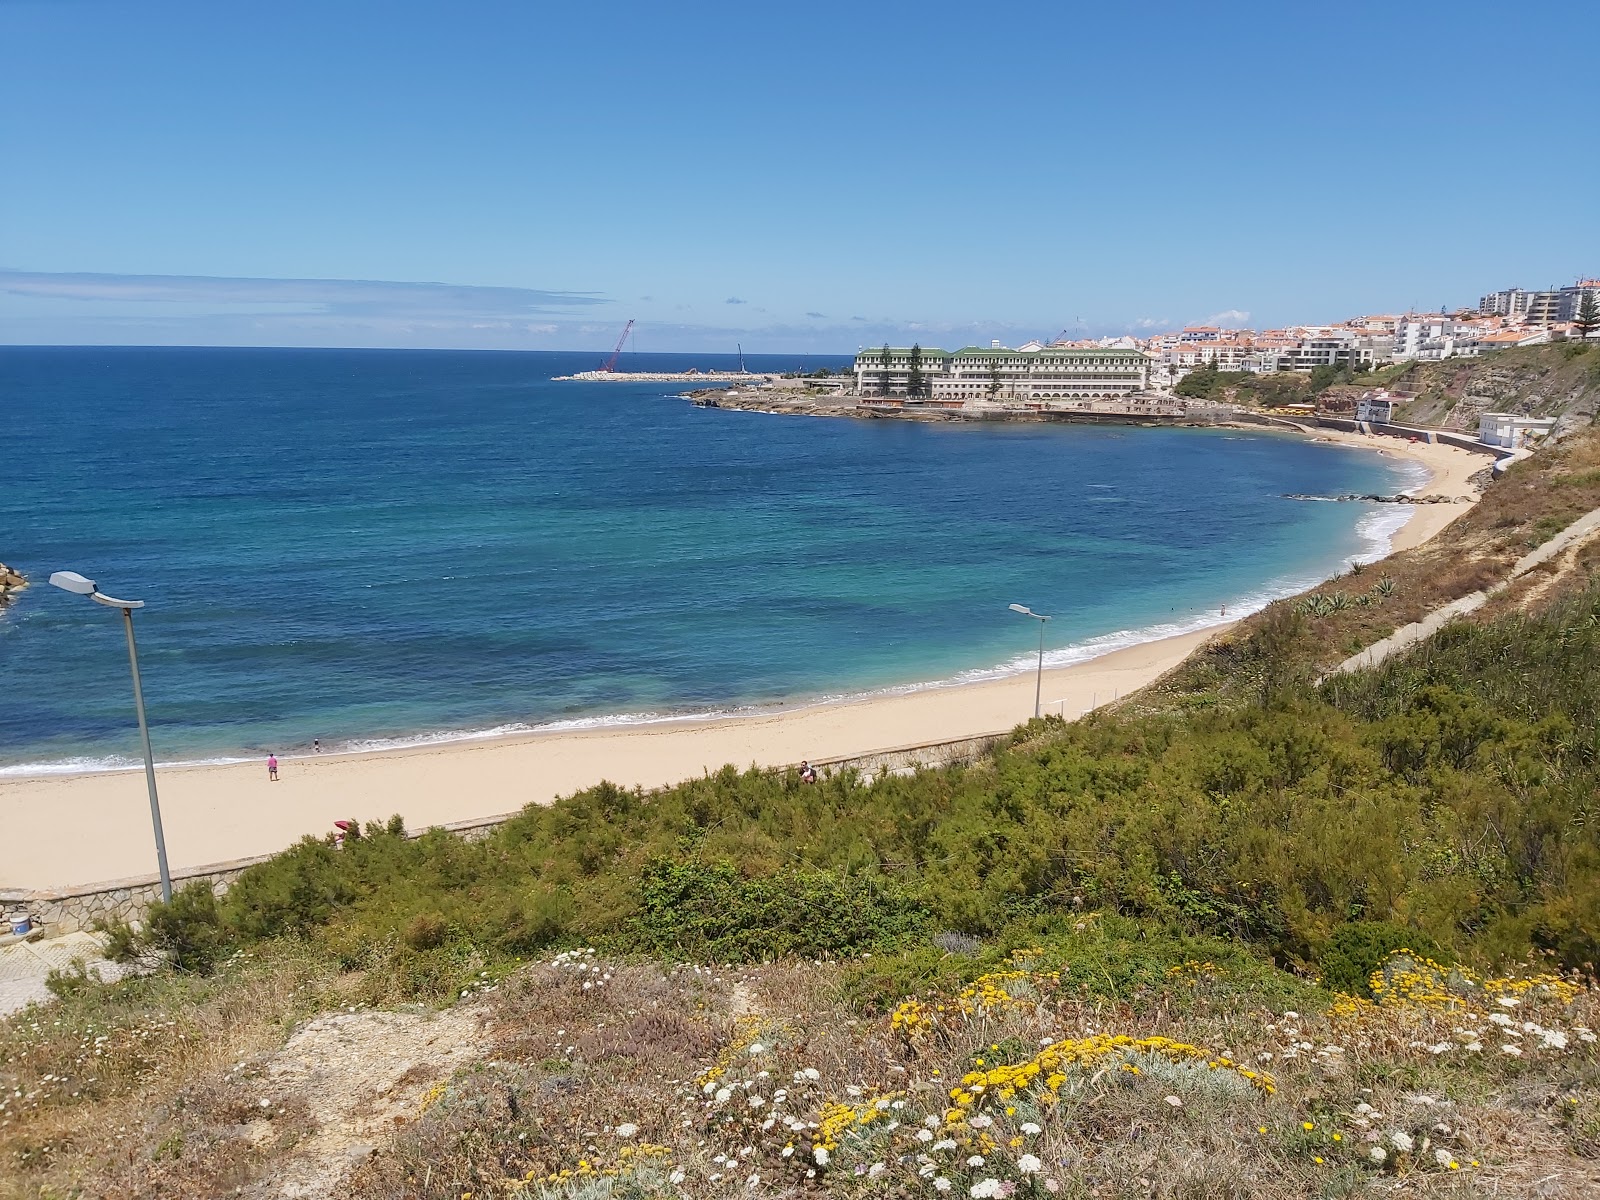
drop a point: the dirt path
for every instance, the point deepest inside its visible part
(359, 1072)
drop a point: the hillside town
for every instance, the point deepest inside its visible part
(1122, 369)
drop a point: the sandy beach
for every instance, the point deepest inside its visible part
(75, 829)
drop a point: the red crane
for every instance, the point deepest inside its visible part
(611, 363)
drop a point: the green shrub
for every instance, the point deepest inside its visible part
(426, 931)
(188, 930)
(1358, 948)
(712, 911)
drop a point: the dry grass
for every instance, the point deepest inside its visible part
(687, 1081)
(125, 1091)
(713, 1104)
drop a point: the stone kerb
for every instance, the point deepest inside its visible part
(68, 909)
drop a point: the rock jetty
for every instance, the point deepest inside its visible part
(1370, 498)
(11, 582)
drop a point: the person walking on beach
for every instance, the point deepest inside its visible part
(272, 767)
(316, 745)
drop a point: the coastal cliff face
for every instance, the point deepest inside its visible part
(1561, 381)
(11, 582)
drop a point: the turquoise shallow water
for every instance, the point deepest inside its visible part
(377, 546)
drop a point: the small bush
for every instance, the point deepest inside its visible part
(711, 911)
(189, 929)
(73, 980)
(1357, 949)
(124, 944)
(426, 931)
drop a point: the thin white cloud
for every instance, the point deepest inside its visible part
(335, 297)
(1228, 316)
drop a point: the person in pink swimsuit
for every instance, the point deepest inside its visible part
(272, 767)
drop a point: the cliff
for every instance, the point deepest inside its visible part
(1560, 380)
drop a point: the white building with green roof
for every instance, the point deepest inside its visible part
(1041, 373)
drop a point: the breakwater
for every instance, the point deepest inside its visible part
(789, 402)
(658, 377)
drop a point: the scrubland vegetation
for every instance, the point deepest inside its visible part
(1250, 935)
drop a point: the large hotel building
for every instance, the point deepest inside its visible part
(1030, 373)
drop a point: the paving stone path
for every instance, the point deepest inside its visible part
(24, 966)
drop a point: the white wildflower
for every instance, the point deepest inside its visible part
(975, 1160)
(1443, 1157)
(1553, 1039)
(676, 1176)
(931, 1121)
(723, 1093)
(820, 1155)
(944, 1144)
(1402, 1142)
(1032, 1130)
(941, 1184)
(1508, 1002)
(875, 1170)
(924, 1135)
(627, 1129)
(1500, 1019)
(1376, 1154)
(812, 1074)
(1514, 1051)
(986, 1187)
(1174, 1101)
(980, 1121)
(1028, 1164)
(755, 1101)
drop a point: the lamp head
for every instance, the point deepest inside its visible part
(71, 581)
(1018, 608)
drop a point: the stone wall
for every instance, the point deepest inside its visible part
(65, 910)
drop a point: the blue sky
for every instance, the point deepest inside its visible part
(805, 176)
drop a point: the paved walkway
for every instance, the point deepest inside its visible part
(1574, 535)
(24, 966)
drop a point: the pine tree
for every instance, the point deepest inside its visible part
(883, 389)
(1587, 319)
(915, 383)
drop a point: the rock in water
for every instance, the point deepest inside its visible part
(11, 582)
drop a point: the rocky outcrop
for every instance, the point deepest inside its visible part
(1560, 381)
(11, 582)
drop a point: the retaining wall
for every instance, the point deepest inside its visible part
(67, 909)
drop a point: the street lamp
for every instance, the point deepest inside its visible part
(1038, 687)
(71, 581)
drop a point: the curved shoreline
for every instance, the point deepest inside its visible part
(214, 812)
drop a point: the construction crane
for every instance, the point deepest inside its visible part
(611, 363)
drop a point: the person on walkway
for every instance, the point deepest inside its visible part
(272, 767)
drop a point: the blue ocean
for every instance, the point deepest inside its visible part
(373, 548)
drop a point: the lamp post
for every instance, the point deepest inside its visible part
(1038, 687)
(71, 581)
